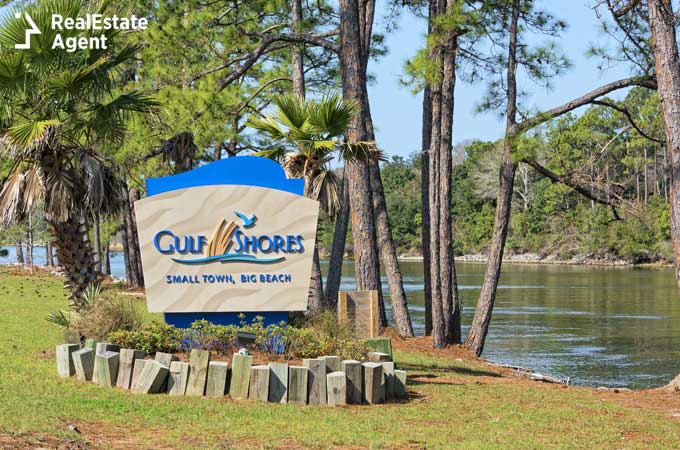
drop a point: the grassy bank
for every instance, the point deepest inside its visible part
(453, 402)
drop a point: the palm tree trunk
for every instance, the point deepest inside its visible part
(96, 238)
(334, 276)
(667, 58)
(75, 255)
(487, 297)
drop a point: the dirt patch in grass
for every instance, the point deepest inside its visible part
(39, 441)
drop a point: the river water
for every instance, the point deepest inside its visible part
(613, 326)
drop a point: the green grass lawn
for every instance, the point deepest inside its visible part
(452, 404)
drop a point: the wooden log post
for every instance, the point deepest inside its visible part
(400, 383)
(106, 368)
(218, 372)
(387, 385)
(65, 366)
(298, 377)
(240, 376)
(152, 378)
(198, 372)
(333, 364)
(100, 348)
(316, 380)
(372, 381)
(259, 383)
(137, 369)
(355, 381)
(83, 361)
(379, 357)
(278, 382)
(126, 365)
(166, 359)
(91, 343)
(178, 378)
(336, 388)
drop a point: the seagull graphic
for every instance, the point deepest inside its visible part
(247, 221)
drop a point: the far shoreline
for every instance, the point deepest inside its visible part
(536, 259)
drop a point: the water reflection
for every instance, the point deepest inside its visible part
(599, 326)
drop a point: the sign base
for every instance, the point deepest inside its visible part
(184, 320)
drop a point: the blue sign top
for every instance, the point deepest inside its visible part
(242, 170)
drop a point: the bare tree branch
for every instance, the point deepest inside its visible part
(570, 182)
(624, 111)
(268, 40)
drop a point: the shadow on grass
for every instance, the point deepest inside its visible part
(449, 369)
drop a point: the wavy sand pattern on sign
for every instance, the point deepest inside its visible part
(199, 210)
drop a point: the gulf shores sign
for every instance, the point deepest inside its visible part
(232, 236)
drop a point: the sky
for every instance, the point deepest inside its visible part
(397, 112)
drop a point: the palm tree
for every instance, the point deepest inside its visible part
(306, 136)
(60, 110)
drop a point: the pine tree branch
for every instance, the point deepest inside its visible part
(590, 97)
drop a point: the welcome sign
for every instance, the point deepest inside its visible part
(232, 236)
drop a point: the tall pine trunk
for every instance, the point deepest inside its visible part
(425, 205)
(338, 249)
(665, 46)
(106, 257)
(443, 284)
(449, 284)
(49, 259)
(298, 52)
(487, 297)
(19, 246)
(352, 51)
(29, 244)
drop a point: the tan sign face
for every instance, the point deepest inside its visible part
(226, 248)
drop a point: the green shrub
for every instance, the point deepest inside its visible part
(152, 337)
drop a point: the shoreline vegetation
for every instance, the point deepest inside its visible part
(534, 258)
(496, 405)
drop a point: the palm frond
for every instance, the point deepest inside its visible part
(326, 189)
(103, 187)
(12, 71)
(267, 125)
(11, 197)
(275, 153)
(25, 134)
(291, 110)
(361, 151)
(332, 115)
